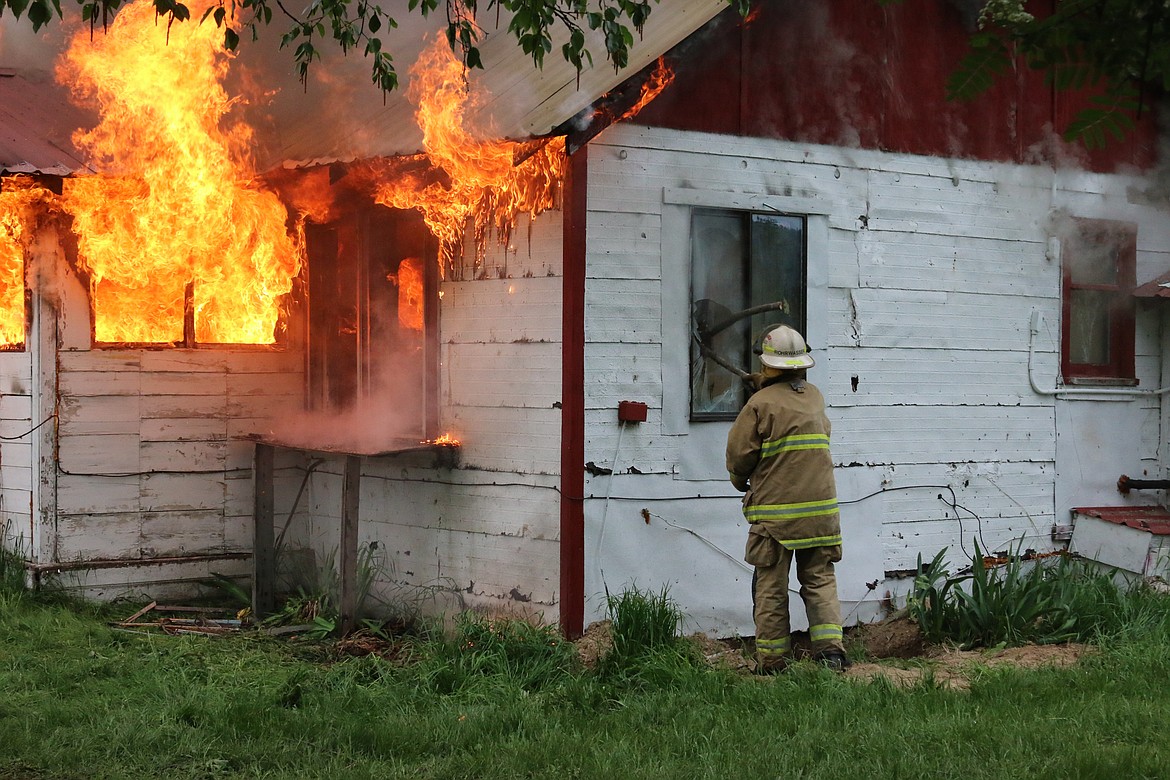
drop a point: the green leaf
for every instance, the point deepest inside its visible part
(39, 14)
(230, 39)
(978, 69)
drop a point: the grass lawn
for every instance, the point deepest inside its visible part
(81, 700)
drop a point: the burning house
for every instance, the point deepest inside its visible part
(499, 374)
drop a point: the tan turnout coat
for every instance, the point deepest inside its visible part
(780, 444)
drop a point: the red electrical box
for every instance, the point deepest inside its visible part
(631, 411)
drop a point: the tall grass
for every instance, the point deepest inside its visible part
(647, 647)
(1028, 599)
(510, 652)
(11, 565)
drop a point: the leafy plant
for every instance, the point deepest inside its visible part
(1019, 599)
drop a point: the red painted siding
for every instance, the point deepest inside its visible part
(855, 73)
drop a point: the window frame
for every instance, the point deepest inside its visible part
(747, 216)
(1120, 368)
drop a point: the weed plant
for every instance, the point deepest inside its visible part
(509, 651)
(1045, 601)
(647, 648)
(11, 565)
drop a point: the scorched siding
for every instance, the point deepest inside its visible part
(924, 274)
(149, 442)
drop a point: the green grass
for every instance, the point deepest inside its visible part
(500, 699)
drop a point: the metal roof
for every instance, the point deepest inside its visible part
(1155, 288)
(36, 123)
(340, 115)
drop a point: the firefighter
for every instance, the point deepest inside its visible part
(778, 455)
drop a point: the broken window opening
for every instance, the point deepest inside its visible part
(373, 318)
(172, 315)
(1099, 269)
(740, 261)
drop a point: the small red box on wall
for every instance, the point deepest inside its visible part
(631, 411)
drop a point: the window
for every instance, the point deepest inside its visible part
(748, 273)
(1098, 259)
(373, 325)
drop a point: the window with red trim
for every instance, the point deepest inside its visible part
(1098, 260)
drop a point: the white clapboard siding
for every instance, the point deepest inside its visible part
(115, 495)
(888, 377)
(623, 311)
(502, 310)
(179, 492)
(185, 532)
(503, 374)
(953, 264)
(630, 248)
(623, 372)
(15, 407)
(474, 509)
(946, 434)
(148, 440)
(534, 249)
(949, 320)
(525, 441)
(104, 536)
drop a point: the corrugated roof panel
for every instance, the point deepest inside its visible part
(342, 116)
(36, 124)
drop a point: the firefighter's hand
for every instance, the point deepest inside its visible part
(740, 483)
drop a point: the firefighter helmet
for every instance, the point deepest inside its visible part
(783, 347)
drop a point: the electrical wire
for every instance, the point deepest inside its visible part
(29, 431)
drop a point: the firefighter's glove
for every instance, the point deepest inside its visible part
(740, 483)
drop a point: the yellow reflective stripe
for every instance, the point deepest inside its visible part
(773, 646)
(800, 441)
(825, 631)
(812, 541)
(761, 512)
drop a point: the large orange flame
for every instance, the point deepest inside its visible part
(177, 221)
(410, 293)
(21, 202)
(481, 179)
(659, 79)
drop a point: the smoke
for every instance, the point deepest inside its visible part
(388, 416)
(30, 53)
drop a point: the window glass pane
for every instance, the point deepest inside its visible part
(777, 271)
(1092, 260)
(1089, 327)
(740, 261)
(718, 290)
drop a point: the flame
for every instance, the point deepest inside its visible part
(21, 201)
(475, 178)
(660, 79)
(446, 439)
(410, 293)
(177, 222)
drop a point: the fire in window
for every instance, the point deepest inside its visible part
(1098, 259)
(748, 273)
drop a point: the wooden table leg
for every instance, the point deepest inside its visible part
(350, 504)
(263, 553)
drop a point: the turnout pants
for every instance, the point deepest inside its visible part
(818, 591)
